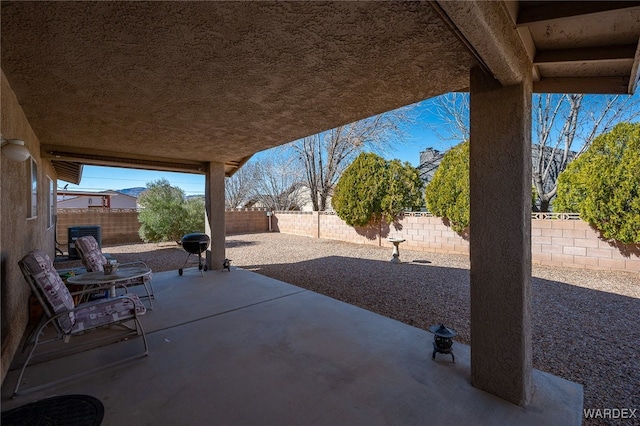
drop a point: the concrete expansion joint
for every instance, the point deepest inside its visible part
(239, 308)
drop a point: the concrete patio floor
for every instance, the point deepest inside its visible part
(238, 348)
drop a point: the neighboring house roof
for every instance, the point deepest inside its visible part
(298, 196)
(430, 159)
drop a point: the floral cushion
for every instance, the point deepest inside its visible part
(103, 312)
(52, 289)
(38, 265)
(92, 257)
(94, 260)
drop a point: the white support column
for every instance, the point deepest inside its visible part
(214, 210)
(500, 237)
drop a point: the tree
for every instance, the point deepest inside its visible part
(240, 188)
(325, 156)
(564, 125)
(278, 182)
(372, 188)
(194, 216)
(451, 113)
(166, 215)
(403, 189)
(447, 195)
(603, 184)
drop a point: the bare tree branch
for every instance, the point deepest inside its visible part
(239, 188)
(564, 125)
(325, 156)
(277, 182)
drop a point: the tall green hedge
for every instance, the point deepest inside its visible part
(603, 184)
(447, 194)
(372, 188)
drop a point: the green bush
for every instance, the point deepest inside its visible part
(447, 195)
(603, 184)
(166, 215)
(402, 191)
(372, 188)
(194, 215)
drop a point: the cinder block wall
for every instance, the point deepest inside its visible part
(296, 223)
(242, 221)
(574, 244)
(118, 226)
(427, 233)
(558, 242)
(332, 227)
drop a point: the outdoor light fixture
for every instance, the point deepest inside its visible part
(14, 149)
(442, 342)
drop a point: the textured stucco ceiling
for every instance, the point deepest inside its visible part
(169, 85)
(212, 81)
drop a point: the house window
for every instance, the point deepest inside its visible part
(50, 205)
(32, 199)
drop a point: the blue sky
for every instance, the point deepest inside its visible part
(420, 135)
(98, 178)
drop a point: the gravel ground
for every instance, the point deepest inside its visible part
(585, 323)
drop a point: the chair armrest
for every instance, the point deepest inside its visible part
(136, 262)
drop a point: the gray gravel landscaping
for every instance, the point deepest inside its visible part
(585, 323)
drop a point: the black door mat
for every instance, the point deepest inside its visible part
(71, 410)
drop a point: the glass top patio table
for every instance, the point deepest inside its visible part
(99, 278)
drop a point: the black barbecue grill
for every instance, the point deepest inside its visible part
(195, 243)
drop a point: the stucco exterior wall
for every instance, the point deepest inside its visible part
(19, 234)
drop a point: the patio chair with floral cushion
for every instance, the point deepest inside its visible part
(94, 260)
(69, 319)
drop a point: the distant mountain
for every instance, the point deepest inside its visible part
(133, 192)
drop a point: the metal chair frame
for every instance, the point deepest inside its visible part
(50, 318)
(148, 290)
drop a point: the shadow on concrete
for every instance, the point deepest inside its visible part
(242, 348)
(578, 333)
